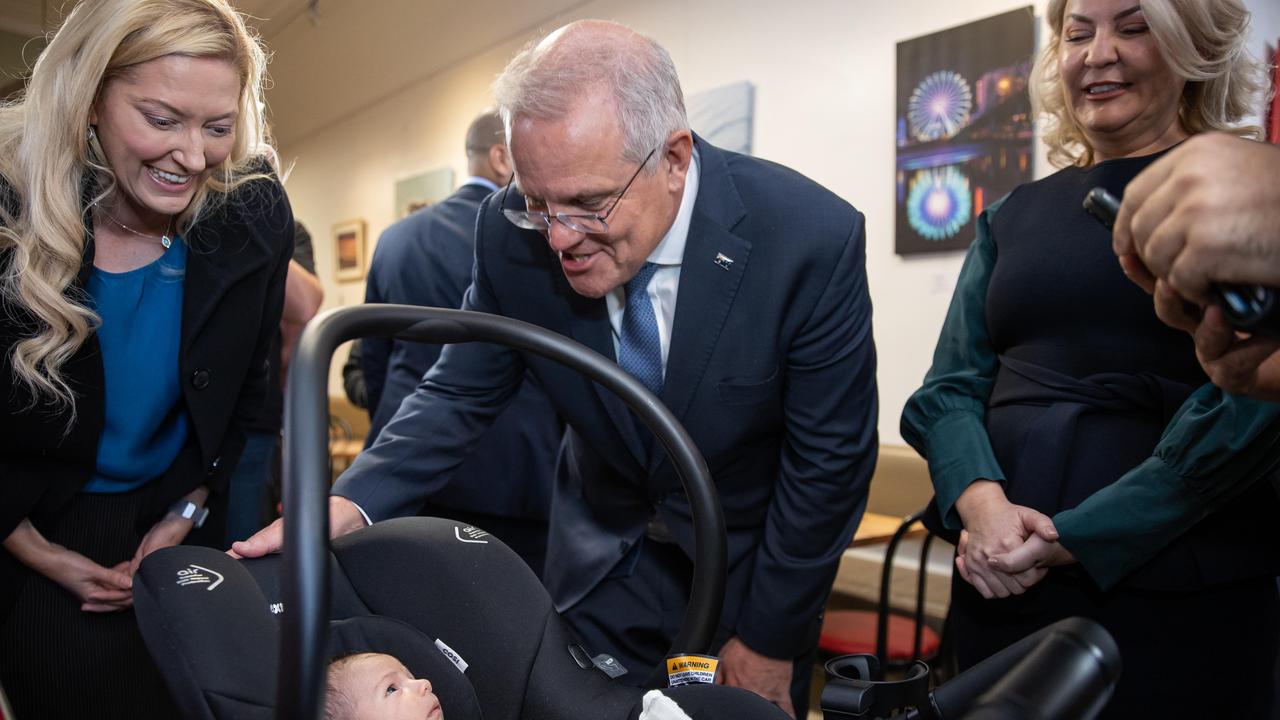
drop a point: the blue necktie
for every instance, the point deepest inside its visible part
(639, 350)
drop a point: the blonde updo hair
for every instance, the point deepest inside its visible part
(47, 159)
(1203, 41)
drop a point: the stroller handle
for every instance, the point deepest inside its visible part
(306, 470)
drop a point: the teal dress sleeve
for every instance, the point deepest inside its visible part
(945, 420)
(1215, 448)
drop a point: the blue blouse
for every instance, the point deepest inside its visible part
(146, 422)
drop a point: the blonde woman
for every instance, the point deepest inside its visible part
(1063, 421)
(143, 246)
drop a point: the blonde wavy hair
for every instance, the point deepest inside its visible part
(48, 160)
(1203, 41)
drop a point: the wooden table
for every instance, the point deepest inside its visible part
(877, 528)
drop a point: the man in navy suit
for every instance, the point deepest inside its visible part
(425, 259)
(735, 286)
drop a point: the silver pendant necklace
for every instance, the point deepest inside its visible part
(164, 239)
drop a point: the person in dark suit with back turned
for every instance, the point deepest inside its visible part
(425, 259)
(733, 287)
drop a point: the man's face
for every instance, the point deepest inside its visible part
(575, 165)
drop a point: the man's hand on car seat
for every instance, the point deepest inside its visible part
(770, 678)
(344, 517)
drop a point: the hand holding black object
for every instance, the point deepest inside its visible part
(1207, 212)
(1250, 308)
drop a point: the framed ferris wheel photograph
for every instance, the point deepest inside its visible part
(963, 131)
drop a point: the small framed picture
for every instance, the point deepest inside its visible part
(348, 247)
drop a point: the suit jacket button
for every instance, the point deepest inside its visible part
(200, 379)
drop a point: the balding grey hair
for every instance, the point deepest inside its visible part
(547, 79)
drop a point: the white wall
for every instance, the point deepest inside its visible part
(1266, 23)
(824, 77)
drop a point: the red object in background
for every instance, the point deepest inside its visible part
(1273, 110)
(854, 631)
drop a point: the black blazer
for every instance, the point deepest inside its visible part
(233, 295)
(771, 369)
(425, 259)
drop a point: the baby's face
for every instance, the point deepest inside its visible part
(383, 689)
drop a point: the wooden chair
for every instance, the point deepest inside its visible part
(343, 446)
(894, 639)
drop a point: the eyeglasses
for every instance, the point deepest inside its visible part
(593, 223)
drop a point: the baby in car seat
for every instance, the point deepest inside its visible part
(376, 686)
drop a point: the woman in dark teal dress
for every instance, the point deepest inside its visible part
(144, 239)
(1061, 419)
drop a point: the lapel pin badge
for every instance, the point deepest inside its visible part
(724, 261)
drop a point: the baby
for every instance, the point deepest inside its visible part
(375, 686)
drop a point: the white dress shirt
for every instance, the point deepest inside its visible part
(482, 181)
(666, 280)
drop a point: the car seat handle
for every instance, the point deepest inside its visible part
(305, 585)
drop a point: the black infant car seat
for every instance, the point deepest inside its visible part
(456, 607)
(248, 639)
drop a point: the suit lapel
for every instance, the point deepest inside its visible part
(714, 262)
(213, 266)
(589, 325)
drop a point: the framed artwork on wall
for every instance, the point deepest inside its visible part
(348, 250)
(422, 190)
(723, 115)
(963, 128)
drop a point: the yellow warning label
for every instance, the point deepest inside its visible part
(689, 669)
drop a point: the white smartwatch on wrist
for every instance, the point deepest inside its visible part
(190, 511)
